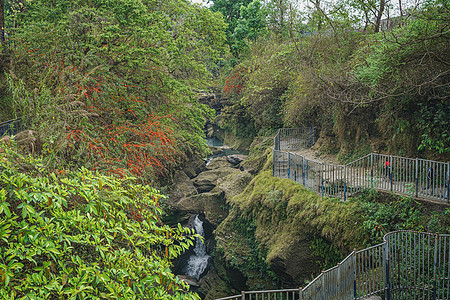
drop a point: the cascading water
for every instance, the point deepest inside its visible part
(199, 260)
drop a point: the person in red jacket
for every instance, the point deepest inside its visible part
(387, 169)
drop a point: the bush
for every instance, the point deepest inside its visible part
(79, 235)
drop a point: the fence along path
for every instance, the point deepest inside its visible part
(408, 265)
(421, 178)
(11, 127)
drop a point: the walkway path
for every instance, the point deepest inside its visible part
(323, 174)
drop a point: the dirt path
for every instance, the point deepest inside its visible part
(316, 156)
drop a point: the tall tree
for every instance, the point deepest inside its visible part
(231, 10)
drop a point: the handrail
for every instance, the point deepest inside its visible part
(11, 127)
(401, 175)
(385, 268)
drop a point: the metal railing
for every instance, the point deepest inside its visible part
(408, 176)
(11, 127)
(295, 138)
(407, 265)
(286, 294)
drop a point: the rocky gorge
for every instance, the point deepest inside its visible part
(262, 232)
(202, 190)
(239, 256)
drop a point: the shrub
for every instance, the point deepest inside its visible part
(79, 235)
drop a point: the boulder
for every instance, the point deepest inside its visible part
(294, 263)
(216, 150)
(207, 180)
(222, 280)
(194, 167)
(235, 183)
(237, 143)
(183, 187)
(211, 204)
(218, 162)
(189, 280)
(236, 159)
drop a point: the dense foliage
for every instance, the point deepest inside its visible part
(386, 88)
(80, 235)
(110, 84)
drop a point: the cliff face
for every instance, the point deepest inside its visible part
(280, 228)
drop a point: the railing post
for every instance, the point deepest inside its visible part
(436, 238)
(322, 187)
(355, 294)
(243, 295)
(345, 183)
(289, 165)
(300, 293)
(417, 177)
(321, 179)
(322, 282)
(390, 171)
(273, 161)
(386, 270)
(305, 161)
(447, 182)
(371, 170)
(303, 171)
(338, 283)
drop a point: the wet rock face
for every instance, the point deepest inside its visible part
(218, 162)
(184, 187)
(295, 265)
(235, 183)
(194, 167)
(204, 190)
(236, 159)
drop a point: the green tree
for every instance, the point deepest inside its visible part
(251, 26)
(408, 74)
(231, 10)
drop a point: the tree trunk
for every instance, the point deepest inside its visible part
(379, 16)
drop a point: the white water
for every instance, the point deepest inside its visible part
(199, 260)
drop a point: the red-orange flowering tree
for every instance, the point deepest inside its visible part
(111, 86)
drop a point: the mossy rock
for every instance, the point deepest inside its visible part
(237, 143)
(235, 183)
(207, 180)
(218, 162)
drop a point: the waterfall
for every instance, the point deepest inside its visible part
(199, 260)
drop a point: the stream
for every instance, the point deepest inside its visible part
(196, 263)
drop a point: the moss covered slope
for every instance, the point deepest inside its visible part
(279, 227)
